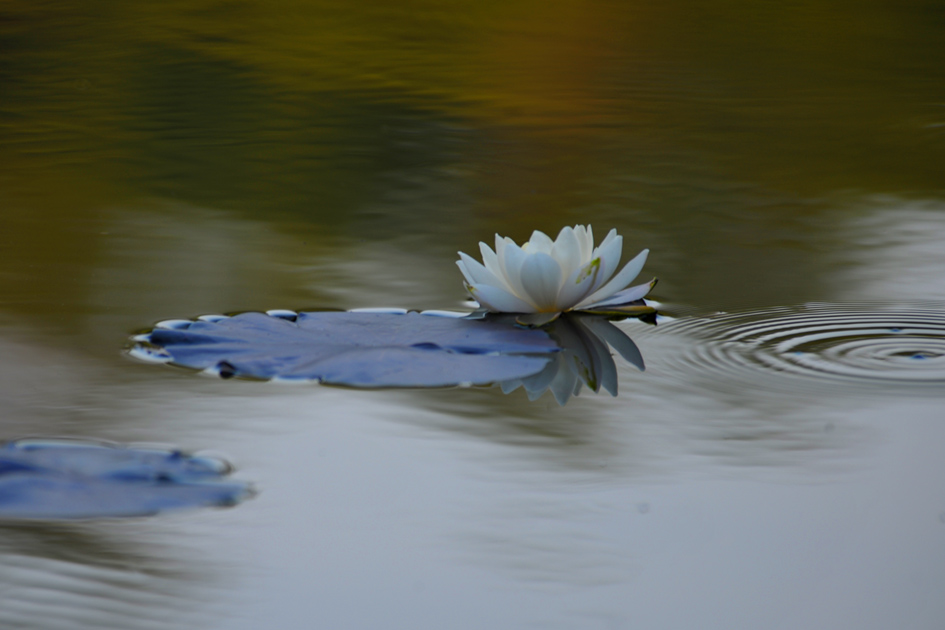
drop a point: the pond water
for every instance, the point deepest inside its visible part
(777, 464)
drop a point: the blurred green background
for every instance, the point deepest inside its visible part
(734, 140)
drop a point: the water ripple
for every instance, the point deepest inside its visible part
(829, 344)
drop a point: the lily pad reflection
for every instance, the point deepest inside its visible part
(585, 358)
(80, 479)
(359, 349)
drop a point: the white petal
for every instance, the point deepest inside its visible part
(467, 274)
(476, 273)
(586, 239)
(511, 257)
(609, 253)
(541, 279)
(622, 279)
(578, 285)
(498, 300)
(624, 297)
(579, 235)
(490, 260)
(539, 242)
(500, 244)
(468, 277)
(567, 251)
(607, 239)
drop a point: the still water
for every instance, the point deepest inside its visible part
(778, 464)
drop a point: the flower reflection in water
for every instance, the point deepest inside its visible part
(585, 358)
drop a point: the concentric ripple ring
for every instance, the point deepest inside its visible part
(856, 344)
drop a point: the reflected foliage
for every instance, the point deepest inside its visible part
(377, 120)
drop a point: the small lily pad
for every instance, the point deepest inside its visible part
(79, 479)
(358, 349)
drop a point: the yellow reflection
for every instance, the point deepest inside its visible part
(511, 63)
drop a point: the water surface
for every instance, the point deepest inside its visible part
(171, 160)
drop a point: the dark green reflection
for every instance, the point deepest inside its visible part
(213, 132)
(722, 137)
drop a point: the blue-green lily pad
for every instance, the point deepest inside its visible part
(79, 479)
(359, 349)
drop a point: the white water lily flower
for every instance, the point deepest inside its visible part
(550, 277)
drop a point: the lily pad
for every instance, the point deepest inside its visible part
(79, 479)
(359, 349)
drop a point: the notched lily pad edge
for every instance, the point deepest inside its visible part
(141, 348)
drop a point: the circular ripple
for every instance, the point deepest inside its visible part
(829, 343)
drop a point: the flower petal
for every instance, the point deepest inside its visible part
(498, 300)
(541, 279)
(511, 258)
(490, 260)
(500, 244)
(476, 273)
(624, 297)
(609, 253)
(607, 239)
(470, 270)
(579, 284)
(539, 242)
(467, 277)
(586, 239)
(622, 279)
(567, 273)
(567, 251)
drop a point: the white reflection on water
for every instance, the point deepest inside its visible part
(895, 251)
(464, 508)
(585, 359)
(435, 529)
